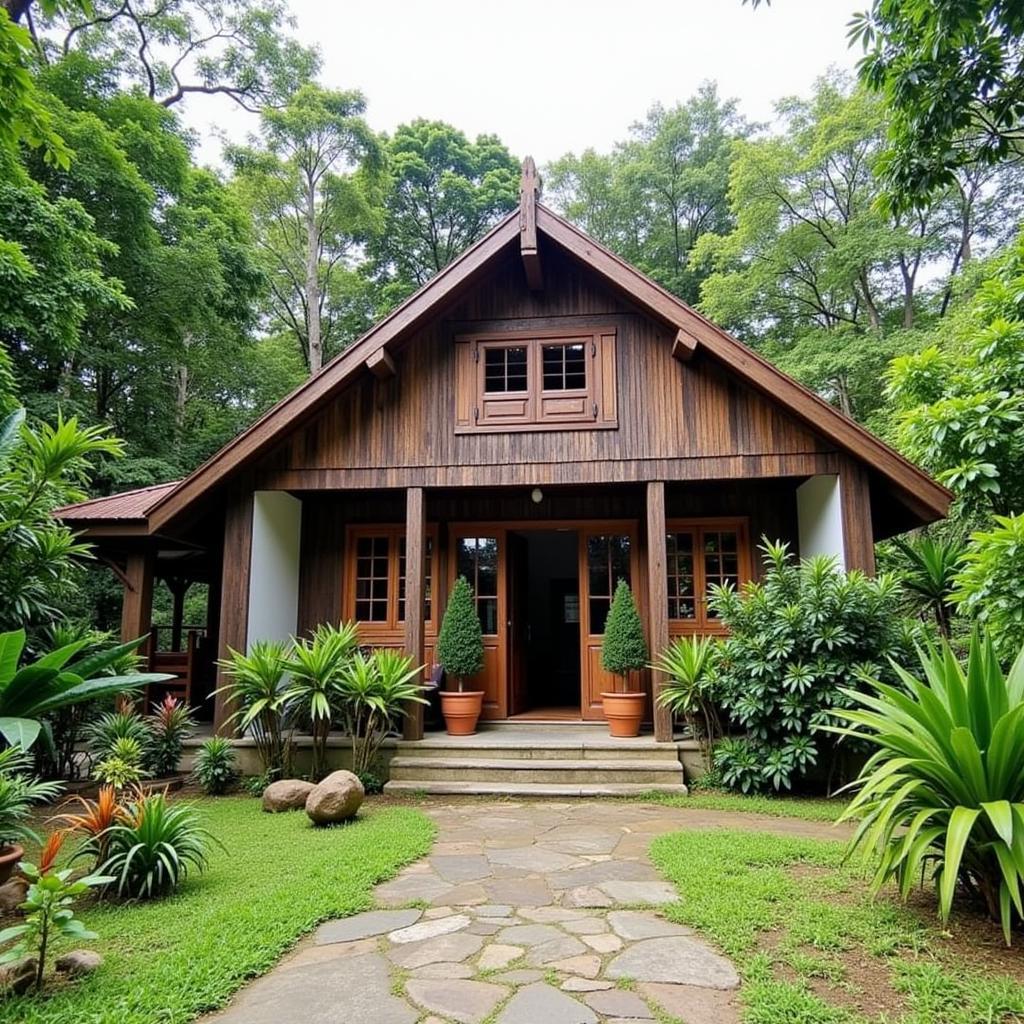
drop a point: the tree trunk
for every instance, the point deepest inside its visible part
(869, 302)
(314, 344)
(180, 397)
(16, 8)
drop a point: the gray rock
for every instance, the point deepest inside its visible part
(586, 985)
(467, 1002)
(655, 893)
(529, 934)
(542, 1004)
(634, 924)
(679, 960)
(355, 988)
(78, 962)
(443, 971)
(617, 1003)
(12, 895)
(363, 926)
(522, 976)
(336, 799)
(454, 948)
(562, 948)
(691, 1005)
(586, 896)
(461, 867)
(430, 929)
(286, 795)
(18, 977)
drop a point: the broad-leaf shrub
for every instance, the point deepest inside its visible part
(798, 640)
(943, 793)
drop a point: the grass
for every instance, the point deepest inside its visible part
(167, 961)
(805, 808)
(812, 947)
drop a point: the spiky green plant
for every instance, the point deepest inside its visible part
(943, 792)
(929, 576)
(689, 663)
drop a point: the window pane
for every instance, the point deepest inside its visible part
(679, 569)
(598, 613)
(504, 369)
(477, 559)
(565, 366)
(372, 579)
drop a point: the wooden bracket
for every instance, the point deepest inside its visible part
(684, 346)
(529, 190)
(381, 365)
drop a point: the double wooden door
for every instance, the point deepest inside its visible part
(491, 558)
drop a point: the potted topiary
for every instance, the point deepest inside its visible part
(460, 650)
(623, 651)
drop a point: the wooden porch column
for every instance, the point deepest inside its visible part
(657, 603)
(858, 534)
(234, 594)
(137, 607)
(415, 555)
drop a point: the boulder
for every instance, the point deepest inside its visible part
(78, 962)
(286, 795)
(18, 977)
(335, 799)
(12, 894)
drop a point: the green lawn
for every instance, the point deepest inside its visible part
(167, 961)
(807, 808)
(814, 949)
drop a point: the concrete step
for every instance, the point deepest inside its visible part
(537, 748)
(546, 771)
(532, 789)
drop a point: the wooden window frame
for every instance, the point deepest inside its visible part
(702, 624)
(394, 628)
(593, 407)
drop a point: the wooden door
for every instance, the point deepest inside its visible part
(518, 622)
(478, 553)
(608, 553)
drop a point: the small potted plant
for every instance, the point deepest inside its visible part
(624, 651)
(460, 650)
(18, 792)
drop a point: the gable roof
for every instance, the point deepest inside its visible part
(127, 506)
(928, 499)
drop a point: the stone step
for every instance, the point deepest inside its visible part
(537, 749)
(545, 771)
(532, 789)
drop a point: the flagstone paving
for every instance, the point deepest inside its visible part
(525, 913)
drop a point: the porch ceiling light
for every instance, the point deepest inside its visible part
(537, 495)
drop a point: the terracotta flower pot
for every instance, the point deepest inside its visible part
(461, 711)
(624, 712)
(9, 858)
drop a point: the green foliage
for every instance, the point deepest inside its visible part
(374, 695)
(442, 193)
(928, 576)
(959, 406)
(48, 914)
(204, 955)
(944, 790)
(624, 647)
(460, 644)
(798, 641)
(172, 723)
(258, 691)
(18, 792)
(29, 693)
(951, 77)
(151, 850)
(990, 586)
(122, 767)
(316, 667)
(102, 734)
(215, 766)
(689, 690)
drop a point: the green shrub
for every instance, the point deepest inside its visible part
(689, 691)
(18, 792)
(214, 767)
(990, 586)
(460, 643)
(943, 793)
(797, 640)
(624, 647)
(122, 767)
(372, 782)
(153, 849)
(102, 735)
(172, 723)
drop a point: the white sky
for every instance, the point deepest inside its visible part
(556, 75)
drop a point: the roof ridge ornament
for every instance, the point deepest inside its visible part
(529, 193)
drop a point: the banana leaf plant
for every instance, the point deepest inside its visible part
(30, 692)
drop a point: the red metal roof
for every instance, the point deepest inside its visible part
(127, 505)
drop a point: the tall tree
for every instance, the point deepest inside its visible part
(309, 207)
(443, 192)
(660, 190)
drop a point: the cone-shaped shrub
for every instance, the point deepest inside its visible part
(624, 649)
(460, 644)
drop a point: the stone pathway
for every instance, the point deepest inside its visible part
(524, 913)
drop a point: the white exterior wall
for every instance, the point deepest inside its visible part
(819, 510)
(274, 566)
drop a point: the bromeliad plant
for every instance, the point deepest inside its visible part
(93, 822)
(47, 908)
(944, 791)
(122, 767)
(171, 725)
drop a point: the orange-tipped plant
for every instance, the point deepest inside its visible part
(94, 822)
(51, 850)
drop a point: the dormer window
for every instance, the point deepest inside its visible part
(543, 381)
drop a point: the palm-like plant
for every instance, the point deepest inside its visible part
(56, 680)
(689, 664)
(316, 666)
(258, 689)
(944, 789)
(929, 574)
(374, 693)
(18, 792)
